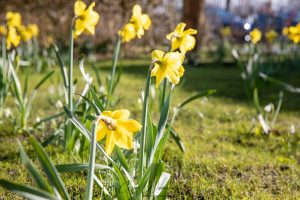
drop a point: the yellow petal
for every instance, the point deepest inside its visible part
(79, 8)
(157, 55)
(110, 142)
(127, 32)
(136, 10)
(124, 139)
(179, 28)
(101, 131)
(120, 114)
(181, 71)
(174, 59)
(159, 71)
(187, 44)
(176, 43)
(130, 125)
(190, 31)
(107, 113)
(79, 27)
(173, 76)
(146, 21)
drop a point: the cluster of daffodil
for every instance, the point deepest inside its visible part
(132, 152)
(15, 31)
(292, 33)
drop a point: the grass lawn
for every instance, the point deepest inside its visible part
(223, 159)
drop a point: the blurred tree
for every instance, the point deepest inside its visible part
(228, 5)
(194, 17)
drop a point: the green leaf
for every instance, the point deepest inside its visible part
(121, 158)
(101, 185)
(43, 80)
(177, 139)
(121, 185)
(196, 96)
(52, 137)
(32, 170)
(161, 126)
(286, 86)
(62, 67)
(256, 101)
(143, 181)
(95, 108)
(48, 119)
(26, 191)
(49, 169)
(79, 167)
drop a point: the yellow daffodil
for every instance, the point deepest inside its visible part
(285, 31)
(12, 38)
(86, 18)
(25, 33)
(13, 19)
(127, 32)
(34, 29)
(226, 31)
(255, 36)
(181, 39)
(3, 30)
(271, 36)
(167, 65)
(293, 33)
(117, 128)
(139, 22)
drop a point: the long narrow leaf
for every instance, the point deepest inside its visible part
(32, 170)
(26, 191)
(49, 169)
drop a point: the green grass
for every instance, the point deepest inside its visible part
(223, 159)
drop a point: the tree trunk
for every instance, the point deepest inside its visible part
(228, 5)
(194, 17)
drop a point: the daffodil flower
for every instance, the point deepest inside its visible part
(24, 33)
(255, 36)
(86, 18)
(271, 36)
(117, 128)
(33, 29)
(167, 65)
(139, 22)
(13, 19)
(181, 39)
(226, 31)
(128, 32)
(12, 37)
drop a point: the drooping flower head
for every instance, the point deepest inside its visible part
(12, 37)
(255, 36)
(13, 19)
(181, 39)
(33, 29)
(86, 18)
(117, 128)
(167, 65)
(139, 22)
(271, 36)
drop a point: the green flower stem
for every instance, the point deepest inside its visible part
(144, 124)
(90, 177)
(69, 127)
(113, 70)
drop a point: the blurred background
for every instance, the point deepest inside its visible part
(207, 16)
